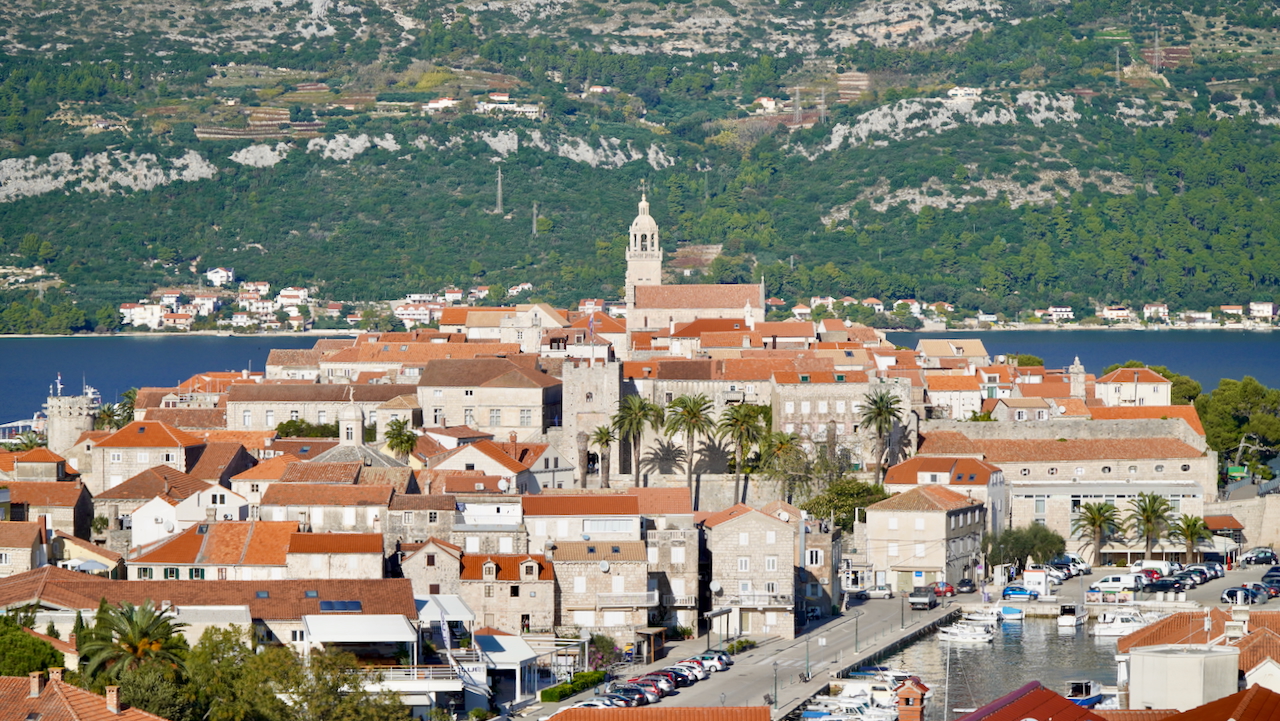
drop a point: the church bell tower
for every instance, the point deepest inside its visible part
(644, 255)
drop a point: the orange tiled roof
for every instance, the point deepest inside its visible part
(340, 473)
(662, 501)
(508, 567)
(7, 460)
(1187, 413)
(1133, 375)
(60, 701)
(39, 455)
(958, 471)
(698, 296)
(143, 434)
(422, 502)
(19, 534)
(1144, 714)
(335, 543)
(580, 505)
(87, 546)
(1256, 703)
(926, 498)
(253, 441)
(945, 382)
(1223, 523)
(254, 543)
(269, 470)
(1006, 450)
(156, 481)
(46, 493)
(324, 494)
(714, 519)
(1032, 701)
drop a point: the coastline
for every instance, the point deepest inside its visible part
(196, 333)
(1076, 327)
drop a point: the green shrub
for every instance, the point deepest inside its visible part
(581, 682)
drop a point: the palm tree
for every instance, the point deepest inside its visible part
(1099, 521)
(691, 417)
(784, 460)
(602, 437)
(633, 416)
(127, 636)
(124, 409)
(881, 411)
(1190, 530)
(26, 441)
(401, 439)
(1149, 517)
(741, 424)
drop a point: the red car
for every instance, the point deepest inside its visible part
(942, 588)
(1151, 574)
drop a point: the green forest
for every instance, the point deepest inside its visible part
(1195, 226)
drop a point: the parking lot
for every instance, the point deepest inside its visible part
(1207, 594)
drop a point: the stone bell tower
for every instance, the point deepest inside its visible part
(644, 255)
(68, 416)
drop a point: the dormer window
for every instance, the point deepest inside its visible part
(530, 570)
(490, 570)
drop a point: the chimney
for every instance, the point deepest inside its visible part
(113, 699)
(55, 673)
(266, 442)
(910, 695)
(211, 514)
(37, 683)
(512, 438)
(72, 639)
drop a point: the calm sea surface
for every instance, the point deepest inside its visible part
(1031, 651)
(1206, 355)
(28, 366)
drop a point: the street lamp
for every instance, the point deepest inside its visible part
(807, 671)
(775, 685)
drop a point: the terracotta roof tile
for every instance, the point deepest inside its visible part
(1032, 701)
(604, 323)
(60, 701)
(335, 543)
(39, 455)
(663, 501)
(699, 296)
(422, 502)
(493, 451)
(190, 418)
(1145, 714)
(153, 482)
(253, 441)
(957, 471)
(580, 505)
(486, 372)
(925, 498)
(1257, 703)
(508, 566)
(451, 484)
(340, 473)
(489, 631)
(304, 449)
(946, 382)
(59, 644)
(19, 534)
(87, 546)
(1261, 644)
(401, 478)
(1223, 523)
(7, 460)
(1007, 450)
(600, 551)
(1133, 375)
(65, 494)
(323, 494)
(145, 434)
(728, 514)
(215, 458)
(268, 470)
(1187, 413)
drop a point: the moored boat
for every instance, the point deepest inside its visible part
(1072, 614)
(1085, 693)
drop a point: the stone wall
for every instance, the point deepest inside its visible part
(1074, 428)
(1260, 516)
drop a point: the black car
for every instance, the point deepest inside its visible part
(1166, 584)
(1200, 573)
(1260, 558)
(966, 585)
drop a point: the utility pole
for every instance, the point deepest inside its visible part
(807, 671)
(499, 208)
(1117, 66)
(535, 218)
(775, 685)
(796, 103)
(822, 107)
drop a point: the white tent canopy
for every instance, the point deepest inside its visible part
(371, 628)
(452, 607)
(505, 652)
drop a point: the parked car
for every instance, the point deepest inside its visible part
(1021, 593)
(966, 585)
(649, 685)
(880, 592)
(1166, 584)
(943, 589)
(623, 700)
(1259, 589)
(1218, 568)
(1259, 556)
(676, 682)
(662, 682)
(1118, 582)
(1066, 567)
(684, 677)
(1191, 579)
(712, 661)
(629, 689)
(1200, 573)
(1209, 570)
(1239, 596)
(696, 670)
(1150, 574)
(858, 594)
(923, 598)
(597, 702)
(1056, 576)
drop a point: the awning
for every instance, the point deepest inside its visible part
(505, 652)
(452, 607)
(372, 628)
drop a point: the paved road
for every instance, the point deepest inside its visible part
(1207, 595)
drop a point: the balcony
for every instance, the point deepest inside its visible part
(688, 536)
(680, 600)
(411, 680)
(761, 600)
(627, 600)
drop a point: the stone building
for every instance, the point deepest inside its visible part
(753, 574)
(138, 446)
(413, 518)
(603, 587)
(821, 406)
(577, 517)
(930, 533)
(23, 546)
(67, 417)
(818, 559)
(672, 544)
(322, 508)
(118, 504)
(970, 476)
(65, 506)
(1134, 387)
(494, 395)
(252, 406)
(589, 395)
(492, 524)
(434, 567)
(515, 593)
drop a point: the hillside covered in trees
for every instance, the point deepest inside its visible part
(136, 161)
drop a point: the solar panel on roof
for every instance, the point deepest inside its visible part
(341, 606)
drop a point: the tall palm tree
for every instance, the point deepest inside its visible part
(784, 460)
(602, 437)
(1099, 521)
(26, 441)
(1149, 517)
(690, 416)
(127, 636)
(741, 424)
(881, 411)
(400, 438)
(633, 416)
(1190, 530)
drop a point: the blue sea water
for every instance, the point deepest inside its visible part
(29, 366)
(1205, 355)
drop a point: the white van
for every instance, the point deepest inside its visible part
(1164, 567)
(1118, 582)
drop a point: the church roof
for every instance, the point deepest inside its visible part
(698, 296)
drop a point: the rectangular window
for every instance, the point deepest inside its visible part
(789, 407)
(515, 592)
(815, 557)
(469, 392)
(170, 458)
(526, 417)
(804, 407)
(771, 587)
(495, 416)
(504, 544)
(677, 554)
(433, 589)
(406, 517)
(195, 574)
(919, 550)
(170, 574)
(822, 406)
(469, 416)
(488, 591)
(1040, 503)
(253, 488)
(297, 636)
(271, 419)
(293, 415)
(744, 539)
(144, 574)
(919, 524)
(744, 586)
(771, 563)
(473, 544)
(246, 418)
(222, 574)
(606, 525)
(432, 516)
(144, 457)
(322, 417)
(652, 553)
(437, 415)
(893, 550)
(770, 537)
(579, 584)
(116, 457)
(839, 406)
(744, 564)
(893, 524)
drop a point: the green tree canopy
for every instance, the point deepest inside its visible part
(1184, 391)
(21, 653)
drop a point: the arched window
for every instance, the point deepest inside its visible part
(591, 397)
(351, 433)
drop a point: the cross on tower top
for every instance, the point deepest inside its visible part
(644, 186)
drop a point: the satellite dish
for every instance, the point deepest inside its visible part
(1062, 410)
(503, 485)
(604, 566)
(585, 537)
(715, 587)
(168, 526)
(784, 516)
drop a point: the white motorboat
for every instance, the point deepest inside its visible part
(1072, 614)
(1119, 623)
(1009, 614)
(967, 633)
(988, 615)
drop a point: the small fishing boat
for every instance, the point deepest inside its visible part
(1084, 693)
(966, 633)
(1009, 614)
(1072, 614)
(1119, 624)
(987, 615)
